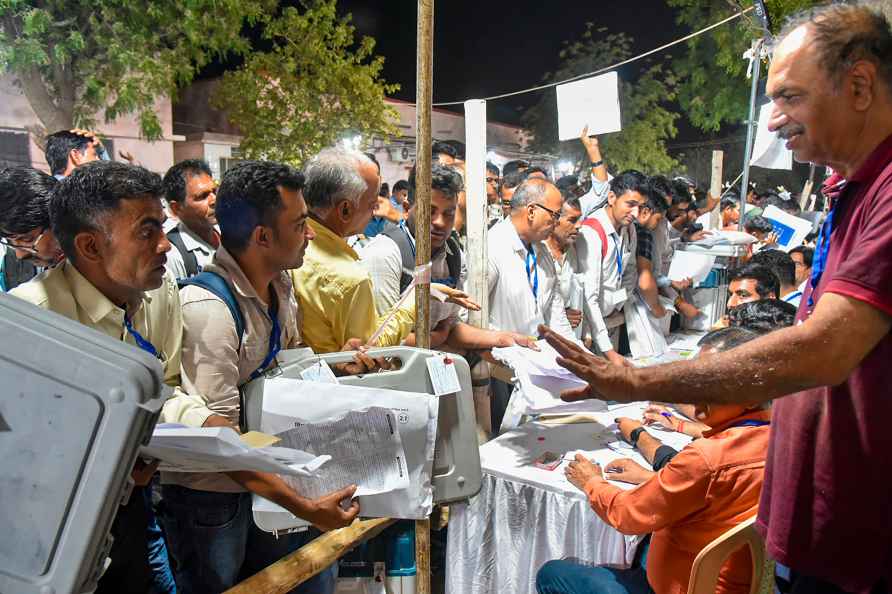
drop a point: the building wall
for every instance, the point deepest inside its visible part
(16, 115)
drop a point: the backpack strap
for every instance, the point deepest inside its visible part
(453, 260)
(189, 259)
(407, 253)
(216, 284)
(15, 271)
(595, 224)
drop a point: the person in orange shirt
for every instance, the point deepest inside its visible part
(712, 485)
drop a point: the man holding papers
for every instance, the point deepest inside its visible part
(264, 232)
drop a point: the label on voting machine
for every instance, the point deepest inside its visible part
(444, 377)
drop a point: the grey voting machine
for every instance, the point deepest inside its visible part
(456, 470)
(75, 407)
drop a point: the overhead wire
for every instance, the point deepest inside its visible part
(607, 68)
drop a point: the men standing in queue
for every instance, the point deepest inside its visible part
(191, 195)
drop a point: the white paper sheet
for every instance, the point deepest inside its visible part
(592, 102)
(540, 381)
(285, 402)
(366, 450)
(219, 449)
(690, 265)
(791, 230)
(769, 150)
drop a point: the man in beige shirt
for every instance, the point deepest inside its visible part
(107, 217)
(264, 232)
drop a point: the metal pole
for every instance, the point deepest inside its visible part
(751, 128)
(423, 100)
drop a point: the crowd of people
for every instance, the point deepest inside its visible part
(216, 278)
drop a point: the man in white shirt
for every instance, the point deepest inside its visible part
(191, 195)
(607, 252)
(562, 245)
(802, 260)
(523, 282)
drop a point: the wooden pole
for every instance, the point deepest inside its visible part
(423, 100)
(288, 572)
(715, 188)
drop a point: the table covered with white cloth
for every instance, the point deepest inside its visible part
(525, 516)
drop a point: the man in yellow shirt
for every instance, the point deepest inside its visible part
(333, 288)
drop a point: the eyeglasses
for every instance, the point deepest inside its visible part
(31, 249)
(554, 215)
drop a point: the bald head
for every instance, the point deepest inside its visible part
(831, 88)
(535, 208)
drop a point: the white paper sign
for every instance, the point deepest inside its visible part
(769, 150)
(791, 230)
(592, 102)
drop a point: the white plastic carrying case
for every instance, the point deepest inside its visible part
(75, 408)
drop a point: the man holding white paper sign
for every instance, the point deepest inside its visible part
(237, 314)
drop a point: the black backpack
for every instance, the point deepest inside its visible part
(407, 250)
(189, 259)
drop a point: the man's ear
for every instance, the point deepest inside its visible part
(345, 210)
(863, 81)
(611, 198)
(262, 236)
(175, 207)
(88, 246)
(75, 157)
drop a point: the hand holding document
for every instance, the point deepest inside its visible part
(220, 449)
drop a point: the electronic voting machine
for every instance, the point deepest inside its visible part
(455, 475)
(75, 408)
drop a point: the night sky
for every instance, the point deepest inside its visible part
(490, 47)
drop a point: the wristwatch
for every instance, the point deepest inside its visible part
(597, 163)
(634, 435)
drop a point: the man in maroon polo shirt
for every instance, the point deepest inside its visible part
(826, 508)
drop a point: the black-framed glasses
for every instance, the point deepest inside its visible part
(31, 249)
(554, 214)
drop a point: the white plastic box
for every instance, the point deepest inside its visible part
(75, 408)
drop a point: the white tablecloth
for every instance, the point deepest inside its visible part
(525, 516)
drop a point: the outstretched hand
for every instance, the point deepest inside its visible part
(605, 379)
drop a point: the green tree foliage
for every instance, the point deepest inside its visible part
(314, 85)
(74, 58)
(647, 123)
(712, 84)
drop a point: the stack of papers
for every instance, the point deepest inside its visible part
(219, 449)
(540, 381)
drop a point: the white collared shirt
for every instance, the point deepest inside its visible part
(512, 305)
(606, 291)
(204, 252)
(795, 297)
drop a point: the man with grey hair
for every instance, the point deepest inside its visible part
(824, 509)
(333, 288)
(524, 290)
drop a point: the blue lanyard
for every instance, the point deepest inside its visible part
(533, 271)
(749, 423)
(140, 341)
(822, 250)
(409, 235)
(789, 298)
(275, 337)
(619, 255)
